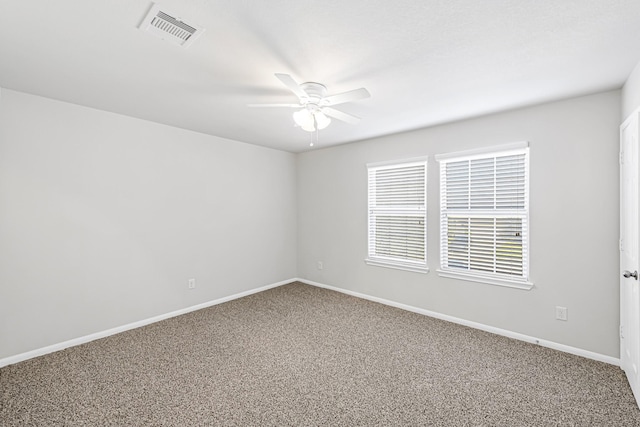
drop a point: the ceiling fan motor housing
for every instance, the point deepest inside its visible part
(316, 92)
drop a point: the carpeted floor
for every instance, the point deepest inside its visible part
(298, 355)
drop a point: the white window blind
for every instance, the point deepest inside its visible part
(484, 215)
(397, 215)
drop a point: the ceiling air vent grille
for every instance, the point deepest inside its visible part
(166, 26)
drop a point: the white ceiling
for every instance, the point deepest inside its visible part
(425, 62)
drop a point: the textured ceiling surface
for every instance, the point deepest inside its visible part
(425, 62)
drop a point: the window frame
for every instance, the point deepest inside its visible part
(373, 211)
(493, 278)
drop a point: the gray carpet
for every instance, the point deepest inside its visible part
(303, 356)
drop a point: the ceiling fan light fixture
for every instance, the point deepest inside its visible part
(304, 118)
(311, 121)
(322, 121)
(309, 127)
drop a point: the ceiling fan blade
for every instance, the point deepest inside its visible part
(294, 87)
(275, 105)
(340, 115)
(341, 98)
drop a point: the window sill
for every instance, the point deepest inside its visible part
(516, 284)
(397, 265)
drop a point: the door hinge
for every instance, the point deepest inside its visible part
(621, 332)
(621, 158)
(620, 245)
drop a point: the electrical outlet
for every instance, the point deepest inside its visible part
(320, 265)
(191, 284)
(561, 313)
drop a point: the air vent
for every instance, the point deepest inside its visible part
(167, 26)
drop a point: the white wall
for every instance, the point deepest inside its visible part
(631, 93)
(574, 222)
(103, 218)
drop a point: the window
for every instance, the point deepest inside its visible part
(397, 215)
(484, 215)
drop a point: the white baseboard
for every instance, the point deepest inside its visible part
(550, 344)
(87, 338)
(91, 337)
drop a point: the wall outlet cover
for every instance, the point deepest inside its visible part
(561, 313)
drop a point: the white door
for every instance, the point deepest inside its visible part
(629, 262)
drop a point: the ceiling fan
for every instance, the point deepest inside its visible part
(315, 107)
